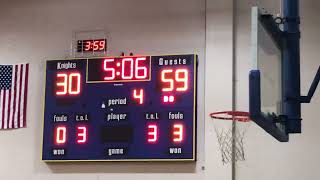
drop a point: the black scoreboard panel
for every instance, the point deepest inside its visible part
(137, 108)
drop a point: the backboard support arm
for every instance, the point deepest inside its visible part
(312, 90)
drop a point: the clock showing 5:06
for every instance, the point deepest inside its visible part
(119, 69)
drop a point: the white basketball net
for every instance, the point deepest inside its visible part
(230, 144)
(225, 141)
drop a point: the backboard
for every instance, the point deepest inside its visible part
(274, 81)
(266, 89)
(267, 59)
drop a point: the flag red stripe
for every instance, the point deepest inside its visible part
(3, 107)
(14, 95)
(1, 91)
(25, 96)
(9, 103)
(18, 118)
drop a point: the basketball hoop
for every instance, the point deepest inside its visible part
(231, 143)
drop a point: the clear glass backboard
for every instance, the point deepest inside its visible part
(266, 56)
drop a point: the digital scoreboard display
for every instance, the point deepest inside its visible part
(136, 108)
(93, 45)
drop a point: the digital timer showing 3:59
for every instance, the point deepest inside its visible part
(92, 45)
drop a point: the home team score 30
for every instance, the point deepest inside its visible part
(137, 108)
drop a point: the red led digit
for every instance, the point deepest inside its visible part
(127, 62)
(87, 46)
(182, 77)
(168, 81)
(60, 135)
(152, 133)
(139, 96)
(177, 133)
(179, 82)
(68, 84)
(62, 84)
(102, 45)
(82, 134)
(111, 74)
(95, 45)
(141, 69)
(74, 83)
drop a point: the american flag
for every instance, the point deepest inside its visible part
(13, 96)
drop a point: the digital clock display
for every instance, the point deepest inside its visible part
(119, 69)
(95, 45)
(137, 108)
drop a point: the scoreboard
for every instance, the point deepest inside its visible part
(135, 108)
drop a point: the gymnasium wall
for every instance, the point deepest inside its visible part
(36, 30)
